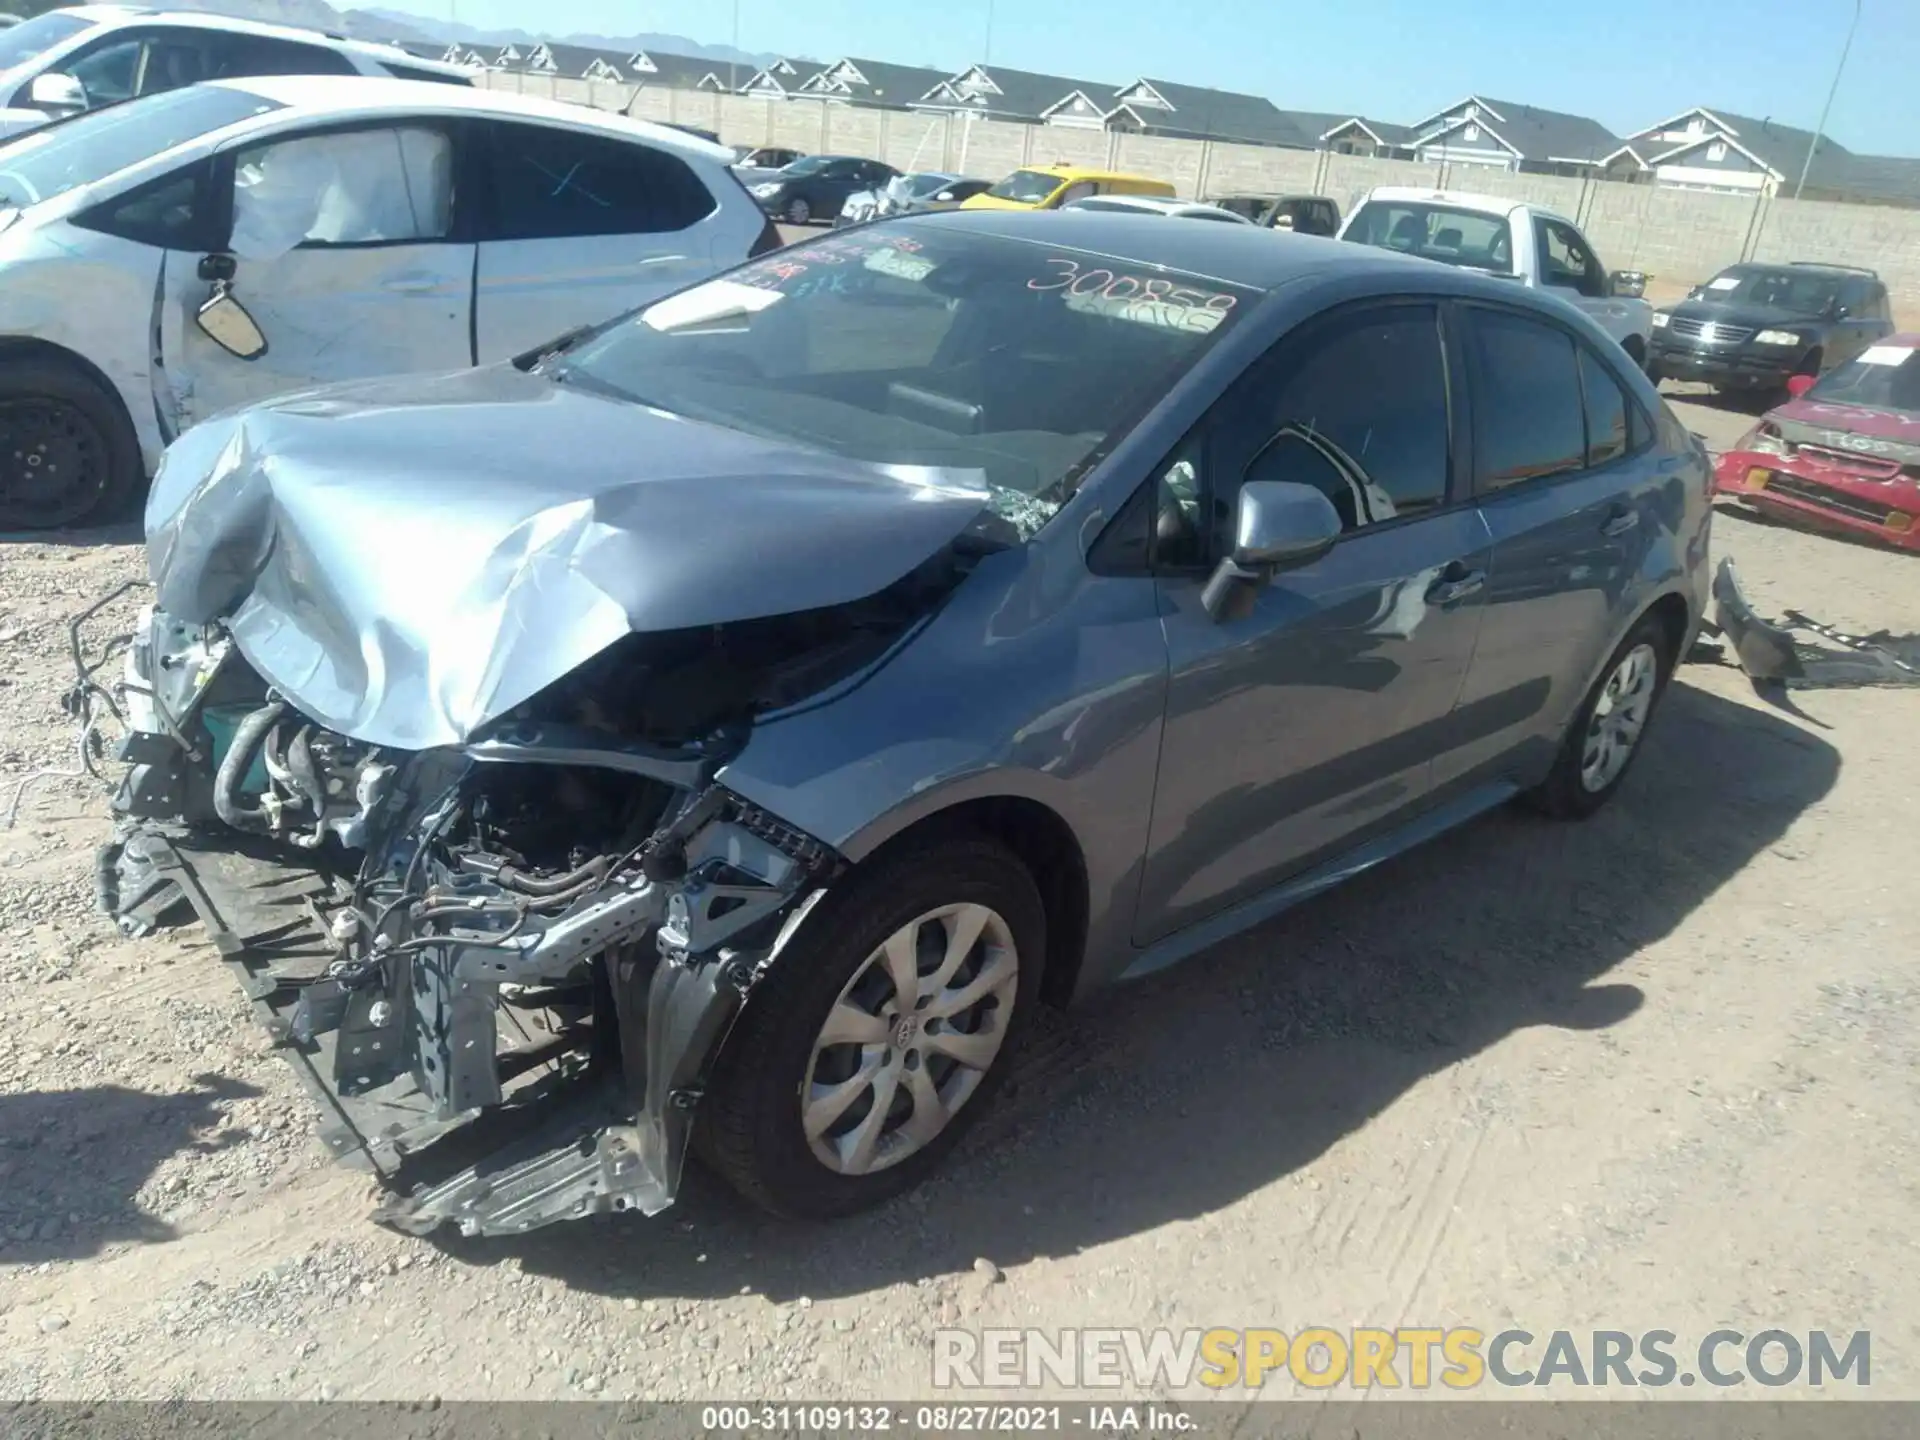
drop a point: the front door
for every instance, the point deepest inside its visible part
(341, 251)
(1315, 717)
(576, 228)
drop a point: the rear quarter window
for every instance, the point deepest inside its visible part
(544, 182)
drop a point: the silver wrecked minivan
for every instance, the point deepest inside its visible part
(724, 729)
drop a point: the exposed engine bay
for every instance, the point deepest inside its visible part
(505, 966)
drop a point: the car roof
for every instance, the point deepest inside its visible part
(1146, 204)
(1495, 205)
(209, 20)
(1244, 255)
(1089, 172)
(368, 95)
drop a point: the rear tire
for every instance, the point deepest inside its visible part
(68, 454)
(1636, 349)
(1609, 729)
(775, 1124)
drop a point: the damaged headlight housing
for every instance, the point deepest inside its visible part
(1764, 439)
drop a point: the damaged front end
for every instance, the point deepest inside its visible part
(504, 967)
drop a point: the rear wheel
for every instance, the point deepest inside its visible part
(1636, 349)
(1608, 727)
(880, 1033)
(67, 450)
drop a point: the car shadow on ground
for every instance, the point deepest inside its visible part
(1733, 402)
(1746, 515)
(121, 532)
(1185, 1092)
(86, 1154)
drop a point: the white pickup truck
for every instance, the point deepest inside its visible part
(1505, 237)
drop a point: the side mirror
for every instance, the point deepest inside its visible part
(56, 90)
(1840, 311)
(1798, 385)
(1627, 284)
(225, 321)
(1276, 525)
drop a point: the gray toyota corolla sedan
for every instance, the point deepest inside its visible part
(724, 728)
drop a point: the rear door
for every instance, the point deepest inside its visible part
(574, 227)
(1562, 479)
(340, 244)
(1862, 324)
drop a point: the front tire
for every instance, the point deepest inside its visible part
(68, 454)
(880, 1033)
(798, 211)
(1609, 726)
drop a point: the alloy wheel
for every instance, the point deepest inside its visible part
(1618, 718)
(910, 1038)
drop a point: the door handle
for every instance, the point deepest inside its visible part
(1619, 521)
(411, 285)
(1457, 583)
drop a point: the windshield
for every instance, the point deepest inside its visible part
(1800, 292)
(1001, 364)
(30, 37)
(44, 163)
(1436, 232)
(1885, 377)
(1029, 187)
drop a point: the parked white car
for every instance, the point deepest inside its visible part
(1506, 237)
(65, 61)
(181, 254)
(1156, 205)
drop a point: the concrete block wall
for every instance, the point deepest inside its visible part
(1677, 236)
(1886, 239)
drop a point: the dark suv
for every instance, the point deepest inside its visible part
(1754, 327)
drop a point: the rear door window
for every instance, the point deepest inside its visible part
(1607, 409)
(543, 182)
(1528, 403)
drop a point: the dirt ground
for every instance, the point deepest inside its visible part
(1654, 1072)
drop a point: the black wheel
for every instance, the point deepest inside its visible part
(67, 450)
(1636, 350)
(1607, 728)
(880, 1033)
(798, 211)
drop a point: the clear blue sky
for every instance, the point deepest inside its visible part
(1627, 63)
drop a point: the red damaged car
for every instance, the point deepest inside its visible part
(1843, 453)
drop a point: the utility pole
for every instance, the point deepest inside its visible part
(1832, 91)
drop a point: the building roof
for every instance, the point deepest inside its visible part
(1780, 148)
(1881, 179)
(1014, 94)
(1194, 112)
(861, 81)
(1535, 133)
(1384, 132)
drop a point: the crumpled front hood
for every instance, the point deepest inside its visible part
(409, 559)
